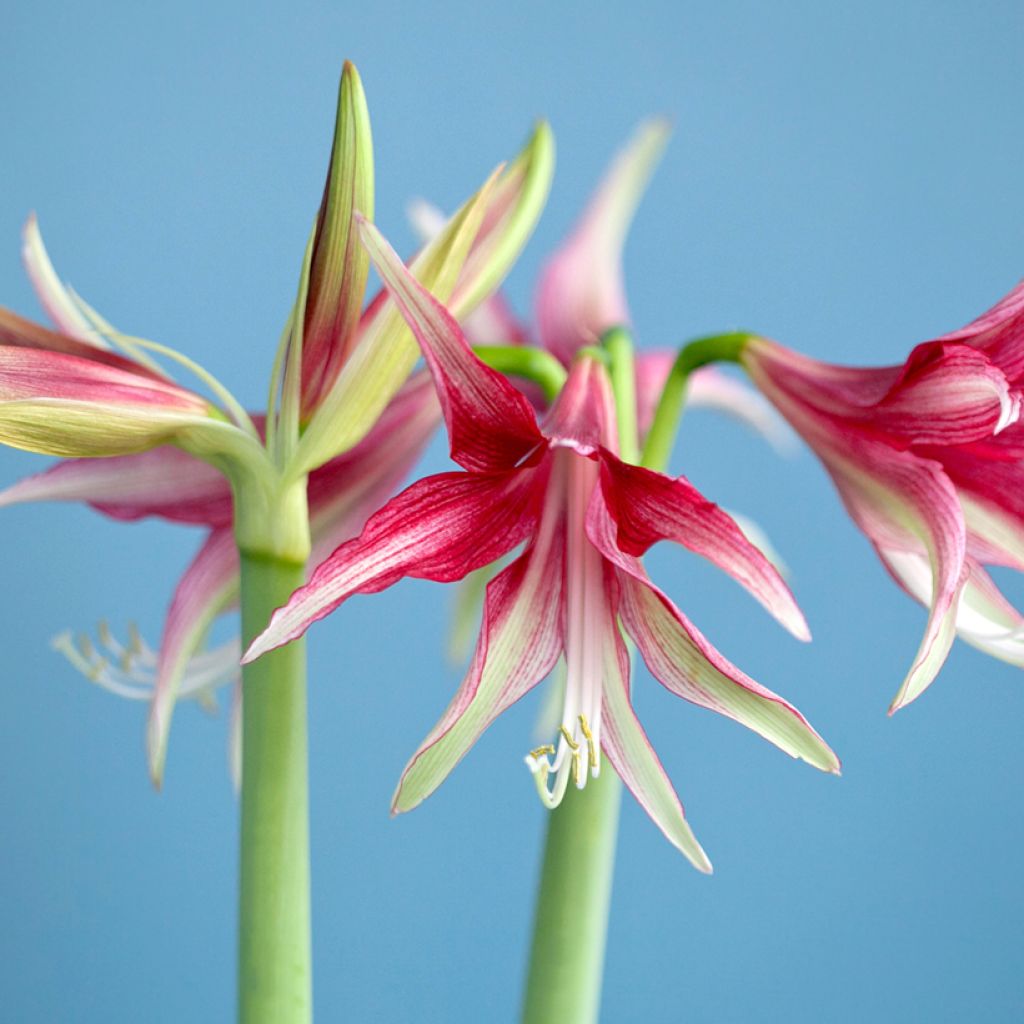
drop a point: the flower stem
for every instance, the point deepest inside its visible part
(274, 970)
(564, 982)
(529, 363)
(571, 918)
(661, 437)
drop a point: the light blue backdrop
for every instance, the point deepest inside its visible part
(846, 178)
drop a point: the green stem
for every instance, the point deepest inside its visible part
(524, 361)
(274, 971)
(571, 919)
(566, 964)
(714, 349)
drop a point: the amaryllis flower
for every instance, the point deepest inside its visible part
(927, 460)
(344, 432)
(584, 518)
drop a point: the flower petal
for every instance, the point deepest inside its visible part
(583, 416)
(630, 752)
(520, 642)
(491, 425)
(208, 587)
(647, 507)
(164, 482)
(440, 528)
(581, 292)
(999, 333)
(339, 267)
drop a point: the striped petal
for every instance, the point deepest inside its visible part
(687, 665)
(999, 333)
(491, 425)
(208, 587)
(581, 292)
(339, 266)
(647, 507)
(520, 642)
(626, 745)
(165, 482)
(440, 528)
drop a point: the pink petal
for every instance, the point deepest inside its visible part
(164, 482)
(490, 424)
(583, 416)
(999, 333)
(519, 643)
(685, 663)
(440, 528)
(17, 332)
(647, 507)
(209, 586)
(904, 502)
(32, 373)
(581, 292)
(344, 492)
(630, 752)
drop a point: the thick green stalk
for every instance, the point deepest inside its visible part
(533, 364)
(571, 923)
(274, 971)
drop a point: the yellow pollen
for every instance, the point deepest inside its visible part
(591, 746)
(548, 748)
(577, 774)
(573, 745)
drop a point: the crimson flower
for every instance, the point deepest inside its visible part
(584, 518)
(927, 458)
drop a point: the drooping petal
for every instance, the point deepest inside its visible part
(647, 507)
(904, 502)
(208, 587)
(626, 745)
(491, 425)
(339, 265)
(519, 643)
(984, 617)
(581, 292)
(440, 528)
(165, 482)
(684, 662)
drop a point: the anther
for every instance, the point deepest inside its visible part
(548, 748)
(573, 745)
(591, 745)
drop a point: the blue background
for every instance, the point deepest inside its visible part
(846, 178)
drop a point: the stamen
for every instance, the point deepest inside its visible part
(573, 745)
(548, 748)
(591, 746)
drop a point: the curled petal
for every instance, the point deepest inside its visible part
(490, 424)
(519, 643)
(581, 293)
(583, 416)
(440, 528)
(208, 587)
(647, 507)
(999, 333)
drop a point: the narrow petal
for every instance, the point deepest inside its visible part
(904, 502)
(208, 587)
(520, 642)
(440, 528)
(165, 482)
(581, 292)
(491, 425)
(647, 507)
(688, 665)
(339, 265)
(630, 752)
(56, 300)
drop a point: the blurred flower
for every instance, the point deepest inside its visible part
(585, 517)
(927, 460)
